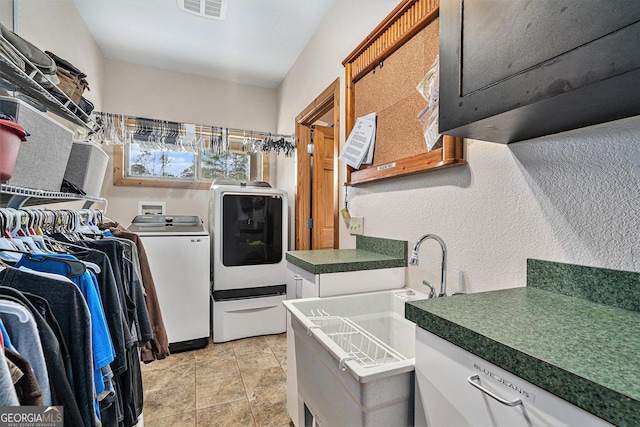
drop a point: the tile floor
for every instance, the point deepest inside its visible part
(238, 383)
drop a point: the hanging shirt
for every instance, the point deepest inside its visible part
(70, 310)
(158, 347)
(27, 385)
(123, 258)
(8, 395)
(21, 327)
(6, 339)
(102, 347)
(109, 294)
(55, 352)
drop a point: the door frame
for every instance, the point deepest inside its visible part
(328, 99)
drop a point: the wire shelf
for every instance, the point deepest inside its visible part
(25, 84)
(359, 344)
(19, 196)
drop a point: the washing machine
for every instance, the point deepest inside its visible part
(177, 248)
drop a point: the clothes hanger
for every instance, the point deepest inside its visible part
(92, 223)
(14, 308)
(88, 226)
(76, 268)
(25, 245)
(12, 228)
(93, 266)
(4, 217)
(22, 232)
(53, 251)
(36, 217)
(8, 251)
(5, 243)
(80, 224)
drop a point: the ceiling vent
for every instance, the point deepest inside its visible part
(214, 9)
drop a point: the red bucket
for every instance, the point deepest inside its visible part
(11, 134)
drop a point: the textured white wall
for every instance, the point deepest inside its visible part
(572, 197)
(6, 13)
(167, 95)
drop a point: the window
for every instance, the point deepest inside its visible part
(232, 165)
(202, 165)
(156, 153)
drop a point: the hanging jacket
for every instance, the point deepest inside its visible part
(158, 347)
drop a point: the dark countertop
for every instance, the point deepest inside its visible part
(584, 352)
(337, 260)
(371, 253)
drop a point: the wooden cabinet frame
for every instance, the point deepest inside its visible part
(403, 23)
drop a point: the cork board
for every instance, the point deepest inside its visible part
(391, 93)
(382, 74)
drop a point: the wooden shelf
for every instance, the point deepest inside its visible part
(450, 155)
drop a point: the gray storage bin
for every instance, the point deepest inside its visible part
(86, 167)
(42, 159)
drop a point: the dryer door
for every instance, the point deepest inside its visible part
(252, 229)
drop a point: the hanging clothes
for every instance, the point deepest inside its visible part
(128, 383)
(21, 325)
(108, 291)
(8, 396)
(158, 347)
(70, 310)
(101, 346)
(6, 339)
(55, 352)
(89, 298)
(24, 380)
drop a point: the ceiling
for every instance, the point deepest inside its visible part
(256, 44)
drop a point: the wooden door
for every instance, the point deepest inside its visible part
(327, 101)
(322, 192)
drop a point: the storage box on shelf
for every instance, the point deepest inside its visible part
(19, 75)
(42, 160)
(86, 167)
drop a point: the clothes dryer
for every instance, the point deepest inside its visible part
(248, 227)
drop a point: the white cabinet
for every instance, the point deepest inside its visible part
(457, 388)
(304, 284)
(300, 283)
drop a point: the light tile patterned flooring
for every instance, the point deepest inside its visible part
(237, 383)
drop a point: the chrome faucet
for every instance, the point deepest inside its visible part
(414, 261)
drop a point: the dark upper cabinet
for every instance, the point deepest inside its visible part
(512, 70)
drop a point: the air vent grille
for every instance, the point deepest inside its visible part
(215, 9)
